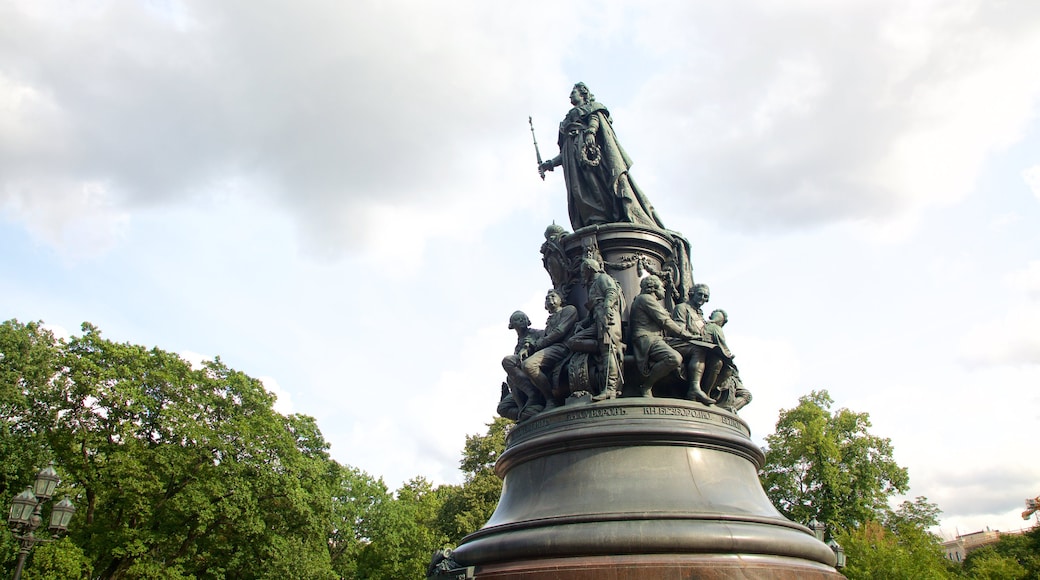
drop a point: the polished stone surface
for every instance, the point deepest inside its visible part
(637, 477)
(661, 567)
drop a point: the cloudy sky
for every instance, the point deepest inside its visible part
(341, 198)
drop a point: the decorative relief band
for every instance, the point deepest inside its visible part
(605, 415)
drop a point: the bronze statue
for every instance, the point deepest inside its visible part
(595, 168)
(726, 386)
(554, 258)
(719, 358)
(650, 323)
(507, 406)
(689, 315)
(603, 326)
(550, 350)
(525, 395)
(599, 187)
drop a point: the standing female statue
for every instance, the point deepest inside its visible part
(599, 189)
(595, 168)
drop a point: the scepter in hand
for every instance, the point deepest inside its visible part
(538, 154)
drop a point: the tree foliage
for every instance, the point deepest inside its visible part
(61, 560)
(405, 534)
(357, 504)
(469, 506)
(898, 545)
(920, 514)
(177, 472)
(827, 465)
(28, 359)
(189, 473)
(1014, 557)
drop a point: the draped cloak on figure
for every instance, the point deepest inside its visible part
(602, 193)
(599, 188)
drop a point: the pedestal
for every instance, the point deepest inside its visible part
(637, 488)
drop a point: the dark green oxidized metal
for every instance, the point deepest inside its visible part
(635, 476)
(650, 485)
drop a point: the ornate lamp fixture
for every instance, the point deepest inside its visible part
(26, 514)
(839, 553)
(46, 480)
(61, 513)
(818, 528)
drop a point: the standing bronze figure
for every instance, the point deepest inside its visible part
(595, 168)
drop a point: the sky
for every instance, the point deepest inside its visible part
(341, 198)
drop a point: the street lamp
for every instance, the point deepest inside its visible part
(839, 553)
(820, 531)
(818, 528)
(26, 514)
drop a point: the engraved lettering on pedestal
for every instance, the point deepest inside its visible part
(592, 413)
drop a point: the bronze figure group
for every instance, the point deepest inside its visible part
(585, 349)
(573, 357)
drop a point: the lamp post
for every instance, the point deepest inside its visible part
(820, 531)
(839, 554)
(26, 514)
(818, 528)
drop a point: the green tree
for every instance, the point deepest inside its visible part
(404, 534)
(177, 472)
(28, 360)
(469, 506)
(920, 513)
(358, 503)
(61, 560)
(900, 547)
(1013, 556)
(988, 564)
(827, 465)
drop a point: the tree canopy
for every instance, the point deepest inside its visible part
(897, 545)
(469, 506)
(181, 472)
(827, 465)
(177, 471)
(1013, 557)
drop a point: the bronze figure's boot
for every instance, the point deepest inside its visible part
(608, 393)
(696, 394)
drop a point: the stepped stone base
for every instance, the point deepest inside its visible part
(660, 567)
(637, 488)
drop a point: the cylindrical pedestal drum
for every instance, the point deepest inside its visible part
(637, 488)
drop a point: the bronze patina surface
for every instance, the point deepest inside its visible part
(628, 459)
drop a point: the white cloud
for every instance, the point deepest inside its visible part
(989, 494)
(427, 429)
(162, 104)
(283, 403)
(822, 119)
(1032, 179)
(59, 332)
(196, 360)
(1009, 337)
(80, 218)
(1026, 280)
(771, 369)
